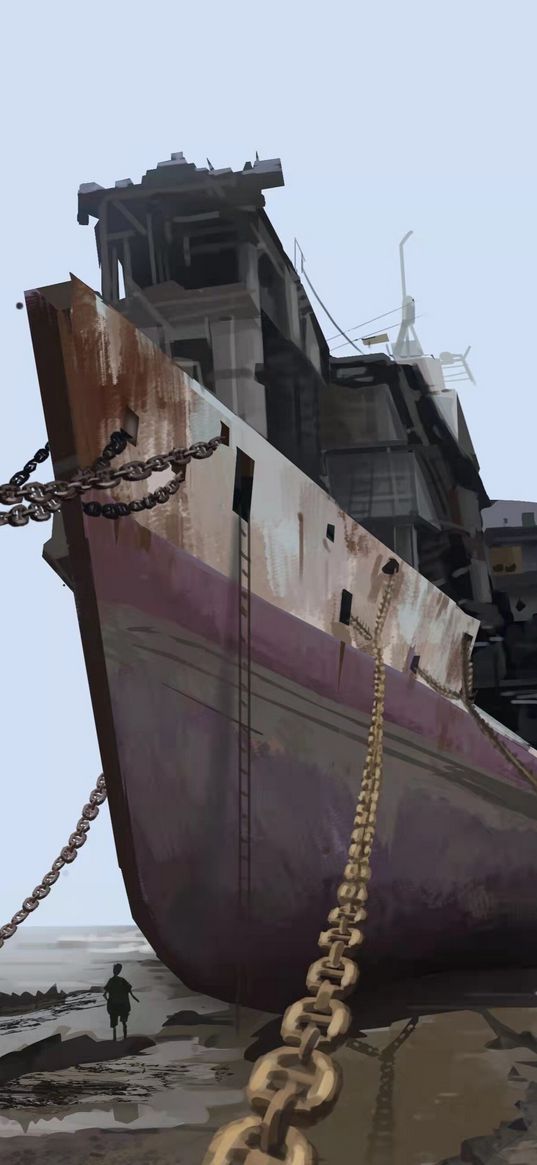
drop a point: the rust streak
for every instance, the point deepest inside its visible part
(300, 545)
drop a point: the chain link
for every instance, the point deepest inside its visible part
(466, 696)
(22, 476)
(378, 1053)
(380, 1140)
(45, 499)
(361, 627)
(67, 855)
(298, 1084)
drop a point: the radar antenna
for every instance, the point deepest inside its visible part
(458, 366)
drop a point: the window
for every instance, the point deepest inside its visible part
(244, 480)
(528, 518)
(345, 609)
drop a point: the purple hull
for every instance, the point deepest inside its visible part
(455, 859)
(454, 862)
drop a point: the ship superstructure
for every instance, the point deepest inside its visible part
(190, 257)
(206, 277)
(506, 659)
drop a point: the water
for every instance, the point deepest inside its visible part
(160, 1104)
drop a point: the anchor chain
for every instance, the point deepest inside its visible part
(380, 1140)
(466, 696)
(299, 1083)
(67, 855)
(45, 499)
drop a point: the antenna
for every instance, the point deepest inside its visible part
(402, 261)
(407, 344)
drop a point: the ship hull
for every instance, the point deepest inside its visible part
(454, 862)
(455, 858)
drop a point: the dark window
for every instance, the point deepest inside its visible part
(330, 532)
(528, 518)
(345, 609)
(244, 480)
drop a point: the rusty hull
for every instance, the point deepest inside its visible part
(111, 366)
(157, 603)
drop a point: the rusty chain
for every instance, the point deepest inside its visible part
(361, 627)
(358, 1045)
(47, 498)
(380, 1140)
(466, 696)
(68, 854)
(299, 1083)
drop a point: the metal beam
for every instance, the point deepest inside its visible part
(127, 214)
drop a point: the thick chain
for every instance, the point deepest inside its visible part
(123, 509)
(361, 627)
(47, 498)
(298, 1084)
(22, 476)
(380, 1141)
(67, 855)
(466, 696)
(391, 1048)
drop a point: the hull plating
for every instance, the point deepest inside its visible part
(455, 860)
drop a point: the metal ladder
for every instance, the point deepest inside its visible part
(244, 747)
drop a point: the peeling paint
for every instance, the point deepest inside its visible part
(116, 366)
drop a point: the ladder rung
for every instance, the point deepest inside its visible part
(244, 715)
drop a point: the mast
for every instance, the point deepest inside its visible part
(407, 343)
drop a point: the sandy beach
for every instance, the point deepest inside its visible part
(461, 1087)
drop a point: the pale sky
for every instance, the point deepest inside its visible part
(387, 117)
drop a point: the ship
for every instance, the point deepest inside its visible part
(225, 623)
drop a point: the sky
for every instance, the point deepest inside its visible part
(387, 117)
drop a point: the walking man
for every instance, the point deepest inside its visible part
(116, 993)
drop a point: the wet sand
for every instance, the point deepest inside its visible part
(461, 1087)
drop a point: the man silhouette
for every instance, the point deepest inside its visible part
(117, 993)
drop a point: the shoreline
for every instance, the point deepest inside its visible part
(463, 1081)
